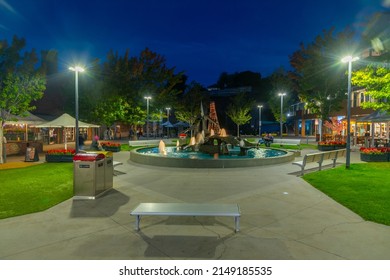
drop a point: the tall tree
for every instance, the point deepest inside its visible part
(239, 79)
(20, 82)
(281, 83)
(130, 79)
(188, 107)
(318, 73)
(239, 110)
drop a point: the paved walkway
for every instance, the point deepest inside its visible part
(283, 217)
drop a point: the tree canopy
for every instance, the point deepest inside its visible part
(127, 80)
(281, 83)
(20, 82)
(376, 81)
(239, 79)
(188, 107)
(319, 75)
(239, 110)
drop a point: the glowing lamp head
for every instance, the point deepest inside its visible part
(77, 69)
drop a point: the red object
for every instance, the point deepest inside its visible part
(183, 135)
(88, 157)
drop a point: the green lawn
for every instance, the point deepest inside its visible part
(364, 188)
(35, 188)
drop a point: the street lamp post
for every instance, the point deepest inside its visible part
(281, 113)
(168, 109)
(147, 115)
(76, 71)
(259, 106)
(349, 59)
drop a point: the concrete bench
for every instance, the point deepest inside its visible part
(283, 141)
(187, 209)
(114, 164)
(319, 158)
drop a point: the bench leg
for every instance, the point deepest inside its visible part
(237, 224)
(137, 220)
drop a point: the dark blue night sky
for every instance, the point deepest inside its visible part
(201, 37)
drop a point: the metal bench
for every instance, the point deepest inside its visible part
(186, 209)
(320, 158)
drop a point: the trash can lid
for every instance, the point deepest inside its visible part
(88, 157)
(105, 153)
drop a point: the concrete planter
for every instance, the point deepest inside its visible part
(326, 147)
(331, 147)
(374, 157)
(338, 147)
(112, 149)
(59, 158)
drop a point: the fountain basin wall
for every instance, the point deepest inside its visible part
(207, 163)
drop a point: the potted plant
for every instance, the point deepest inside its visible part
(339, 145)
(331, 145)
(60, 155)
(111, 146)
(374, 154)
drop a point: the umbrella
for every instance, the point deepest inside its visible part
(181, 124)
(167, 124)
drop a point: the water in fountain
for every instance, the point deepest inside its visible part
(161, 148)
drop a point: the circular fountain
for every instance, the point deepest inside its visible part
(209, 148)
(193, 157)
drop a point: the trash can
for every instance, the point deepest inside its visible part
(31, 154)
(108, 172)
(88, 175)
(108, 168)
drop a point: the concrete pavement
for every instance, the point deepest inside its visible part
(283, 218)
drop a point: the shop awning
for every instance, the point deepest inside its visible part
(377, 116)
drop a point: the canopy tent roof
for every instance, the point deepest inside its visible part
(29, 119)
(66, 120)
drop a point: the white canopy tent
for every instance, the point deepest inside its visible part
(66, 121)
